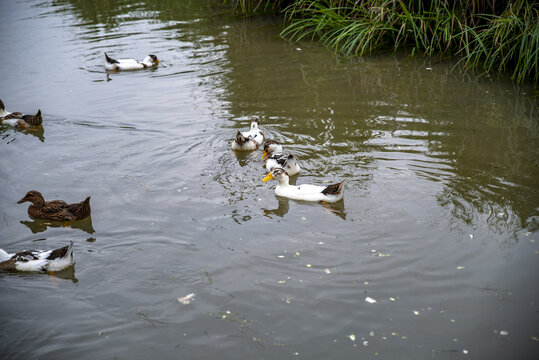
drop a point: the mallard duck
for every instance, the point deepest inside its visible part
(57, 210)
(18, 118)
(255, 133)
(307, 192)
(37, 260)
(275, 158)
(130, 64)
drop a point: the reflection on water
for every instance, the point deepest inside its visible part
(441, 191)
(53, 277)
(38, 225)
(8, 133)
(284, 206)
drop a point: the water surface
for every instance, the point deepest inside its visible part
(439, 223)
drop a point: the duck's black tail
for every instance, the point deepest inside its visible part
(110, 60)
(62, 252)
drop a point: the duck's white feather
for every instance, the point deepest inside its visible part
(4, 256)
(275, 158)
(254, 133)
(306, 192)
(285, 161)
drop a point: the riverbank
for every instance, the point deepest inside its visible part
(495, 37)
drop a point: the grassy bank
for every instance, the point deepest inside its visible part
(495, 36)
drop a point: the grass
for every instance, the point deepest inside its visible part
(494, 35)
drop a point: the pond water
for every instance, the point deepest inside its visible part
(439, 222)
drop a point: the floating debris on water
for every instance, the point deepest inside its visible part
(309, 265)
(280, 256)
(460, 267)
(370, 300)
(471, 236)
(303, 218)
(464, 351)
(327, 271)
(392, 299)
(504, 332)
(416, 312)
(352, 337)
(186, 299)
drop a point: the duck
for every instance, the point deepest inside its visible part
(243, 143)
(18, 118)
(331, 193)
(56, 210)
(255, 133)
(275, 158)
(130, 64)
(37, 260)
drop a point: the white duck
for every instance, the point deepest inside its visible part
(243, 143)
(37, 260)
(18, 118)
(275, 158)
(255, 133)
(130, 64)
(248, 140)
(307, 192)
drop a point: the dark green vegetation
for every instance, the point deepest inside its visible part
(495, 36)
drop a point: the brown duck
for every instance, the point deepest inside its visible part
(57, 210)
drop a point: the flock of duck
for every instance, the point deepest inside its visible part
(279, 164)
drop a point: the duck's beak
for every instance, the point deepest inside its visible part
(264, 153)
(268, 177)
(22, 200)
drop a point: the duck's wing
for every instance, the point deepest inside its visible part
(80, 210)
(54, 206)
(333, 189)
(13, 115)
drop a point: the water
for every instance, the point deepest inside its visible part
(439, 223)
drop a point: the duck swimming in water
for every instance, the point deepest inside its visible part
(37, 260)
(255, 133)
(243, 143)
(275, 158)
(57, 210)
(130, 64)
(18, 118)
(248, 140)
(307, 192)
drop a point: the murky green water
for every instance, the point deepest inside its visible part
(439, 223)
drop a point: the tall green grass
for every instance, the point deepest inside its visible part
(494, 35)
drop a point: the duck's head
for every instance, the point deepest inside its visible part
(34, 197)
(272, 146)
(254, 123)
(2, 106)
(151, 60)
(277, 174)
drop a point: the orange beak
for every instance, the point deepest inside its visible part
(268, 177)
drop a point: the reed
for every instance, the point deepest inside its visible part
(494, 35)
